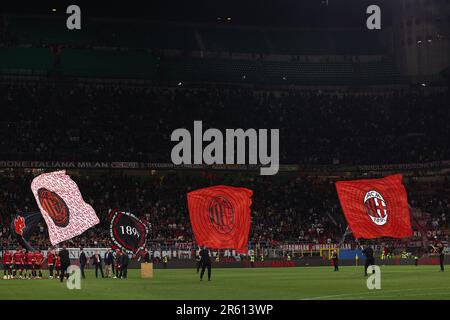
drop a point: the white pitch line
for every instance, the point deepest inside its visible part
(371, 292)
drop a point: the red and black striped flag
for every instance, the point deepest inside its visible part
(376, 208)
(220, 216)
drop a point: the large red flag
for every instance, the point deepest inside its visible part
(220, 216)
(376, 208)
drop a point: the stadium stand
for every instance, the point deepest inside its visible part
(286, 209)
(122, 42)
(63, 116)
(111, 123)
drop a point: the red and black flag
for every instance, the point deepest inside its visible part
(23, 226)
(220, 216)
(376, 208)
(128, 232)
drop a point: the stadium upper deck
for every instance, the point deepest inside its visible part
(173, 52)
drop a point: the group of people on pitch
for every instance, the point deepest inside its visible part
(368, 252)
(22, 264)
(112, 265)
(28, 264)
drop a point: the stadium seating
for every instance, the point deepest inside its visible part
(116, 49)
(233, 39)
(140, 34)
(109, 64)
(273, 72)
(40, 30)
(142, 65)
(25, 60)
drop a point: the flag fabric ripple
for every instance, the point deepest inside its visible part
(376, 208)
(60, 201)
(220, 216)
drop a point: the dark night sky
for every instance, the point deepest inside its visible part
(283, 13)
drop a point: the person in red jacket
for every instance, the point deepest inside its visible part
(57, 266)
(18, 260)
(7, 264)
(50, 262)
(38, 260)
(29, 264)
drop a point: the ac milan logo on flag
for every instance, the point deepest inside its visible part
(376, 207)
(62, 206)
(221, 214)
(128, 232)
(55, 206)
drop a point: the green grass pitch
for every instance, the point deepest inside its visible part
(397, 282)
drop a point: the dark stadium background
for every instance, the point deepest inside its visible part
(288, 13)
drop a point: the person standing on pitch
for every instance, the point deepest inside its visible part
(97, 262)
(441, 252)
(205, 262)
(65, 262)
(83, 261)
(51, 257)
(124, 260)
(370, 260)
(117, 263)
(199, 262)
(7, 264)
(109, 262)
(335, 258)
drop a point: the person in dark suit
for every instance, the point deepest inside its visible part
(205, 262)
(370, 260)
(65, 262)
(97, 262)
(109, 262)
(117, 264)
(335, 258)
(124, 261)
(83, 261)
(441, 251)
(199, 262)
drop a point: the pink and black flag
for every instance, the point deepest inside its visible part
(62, 206)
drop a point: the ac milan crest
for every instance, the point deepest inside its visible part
(128, 232)
(376, 207)
(221, 215)
(55, 206)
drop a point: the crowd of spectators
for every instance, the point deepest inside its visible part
(285, 209)
(55, 122)
(111, 123)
